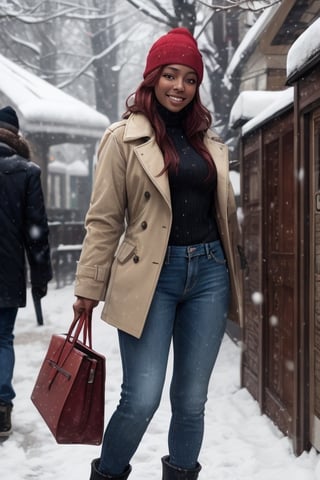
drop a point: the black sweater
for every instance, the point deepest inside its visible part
(192, 196)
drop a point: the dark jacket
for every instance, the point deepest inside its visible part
(23, 228)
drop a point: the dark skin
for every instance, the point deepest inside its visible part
(84, 305)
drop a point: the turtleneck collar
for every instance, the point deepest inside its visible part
(172, 119)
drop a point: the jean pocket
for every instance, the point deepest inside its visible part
(218, 256)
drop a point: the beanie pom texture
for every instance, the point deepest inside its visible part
(177, 46)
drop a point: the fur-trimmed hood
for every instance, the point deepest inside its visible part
(15, 143)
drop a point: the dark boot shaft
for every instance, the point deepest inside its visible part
(96, 475)
(5, 419)
(170, 472)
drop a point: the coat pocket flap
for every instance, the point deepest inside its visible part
(126, 251)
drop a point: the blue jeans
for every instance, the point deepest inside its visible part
(7, 358)
(190, 308)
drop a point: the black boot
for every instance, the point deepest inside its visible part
(96, 475)
(170, 472)
(5, 419)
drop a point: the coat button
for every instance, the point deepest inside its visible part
(136, 259)
(147, 195)
(144, 225)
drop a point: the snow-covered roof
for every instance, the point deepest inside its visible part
(304, 50)
(44, 108)
(57, 167)
(78, 168)
(249, 40)
(282, 103)
(250, 103)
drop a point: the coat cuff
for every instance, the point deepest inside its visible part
(91, 281)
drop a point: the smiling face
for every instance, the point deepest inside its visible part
(176, 87)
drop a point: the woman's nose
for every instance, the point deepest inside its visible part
(178, 84)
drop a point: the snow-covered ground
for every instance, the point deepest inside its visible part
(239, 444)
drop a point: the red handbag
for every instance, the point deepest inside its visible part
(70, 389)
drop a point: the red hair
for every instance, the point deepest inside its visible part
(197, 122)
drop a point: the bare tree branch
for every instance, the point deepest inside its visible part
(121, 38)
(162, 10)
(31, 15)
(30, 45)
(147, 12)
(243, 4)
(204, 26)
(29, 19)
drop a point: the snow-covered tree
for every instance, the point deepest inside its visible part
(95, 49)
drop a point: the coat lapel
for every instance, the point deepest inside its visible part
(151, 159)
(148, 153)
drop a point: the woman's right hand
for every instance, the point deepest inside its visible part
(84, 305)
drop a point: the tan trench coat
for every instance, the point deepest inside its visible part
(128, 224)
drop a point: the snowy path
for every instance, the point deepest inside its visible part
(239, 444)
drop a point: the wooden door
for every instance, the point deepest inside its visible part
(252, 282)
(315, 281)
(280, 284)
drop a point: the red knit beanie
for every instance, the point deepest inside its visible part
(177, 46)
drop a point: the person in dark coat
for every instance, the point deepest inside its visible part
(23, 234)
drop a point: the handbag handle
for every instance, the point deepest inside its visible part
(84, 324)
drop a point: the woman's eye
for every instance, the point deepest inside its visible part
(170, 76)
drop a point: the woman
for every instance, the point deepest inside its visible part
(162, 182)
